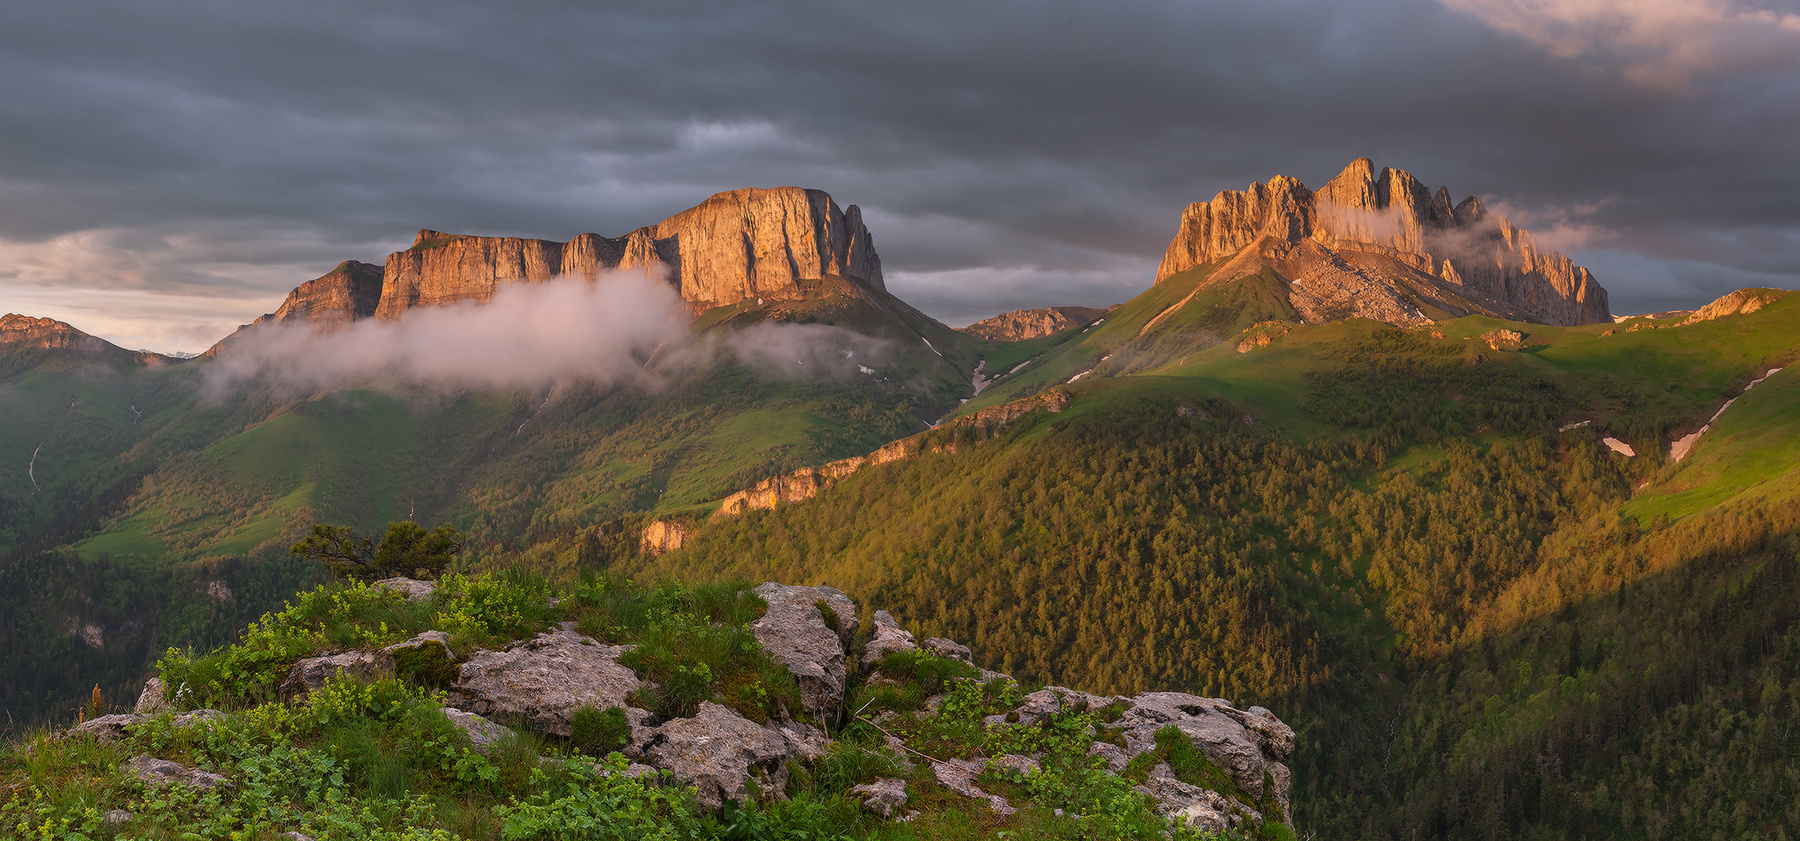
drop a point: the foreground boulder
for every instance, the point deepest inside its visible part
(1251, 745)
(162, 772)
(111, 728)
(809, 630)
(542, 683)
(719, 752)
(307, 675)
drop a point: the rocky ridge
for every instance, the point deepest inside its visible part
(1381, 245)
(812, 631)
(750, 244)
(1019, 325)
(29, 333)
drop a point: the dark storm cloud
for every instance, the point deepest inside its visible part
(1005, 154)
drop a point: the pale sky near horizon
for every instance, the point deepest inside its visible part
(170, 170)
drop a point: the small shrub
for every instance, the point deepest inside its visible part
(598, 732)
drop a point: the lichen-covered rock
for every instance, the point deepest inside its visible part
(1208, 811)
(959, 775)
(413, 589)
(949, 648)
(482, 733)
(1052, 701)
(307, 675)
(110, 728)
(718, 752)
(543, 682)
(889, 637)
(154, 699)
(811, 643)
(1248, 745)
(162, 772)
(884, 797)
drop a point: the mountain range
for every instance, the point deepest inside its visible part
(1364, 455)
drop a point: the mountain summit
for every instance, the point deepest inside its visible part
(735, 246)
(1382, 246)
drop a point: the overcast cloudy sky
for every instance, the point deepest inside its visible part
(169, 170)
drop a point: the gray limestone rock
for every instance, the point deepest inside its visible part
(111, 728)
(154, 699)
(884, 797)
(543, 682)
(307, 675)
(718, 752)
(949, 648)
(1208, 811)
(889, 637)
(482, 733)
(797, 635)
(162, 772)
(1248, 753)
(959, 775)
(413, 589)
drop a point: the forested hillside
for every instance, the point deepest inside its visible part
(1432, 561)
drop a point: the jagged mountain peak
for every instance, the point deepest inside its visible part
(1380, 244)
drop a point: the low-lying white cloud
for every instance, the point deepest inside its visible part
(528, 336)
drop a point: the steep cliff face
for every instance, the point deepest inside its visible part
(1386, 230)
(343, 295)
(732, 247)
(1019, 325)
(333, 300)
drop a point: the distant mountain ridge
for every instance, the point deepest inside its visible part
(1383, 246)
(24, 332)
(1019, 325)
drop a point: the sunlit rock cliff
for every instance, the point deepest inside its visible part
(734, 246)
(1381, 245)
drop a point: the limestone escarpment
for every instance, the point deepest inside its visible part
(1384, 230)
(343, 295)
(735, 246)
(1019, 325)
(329, 302)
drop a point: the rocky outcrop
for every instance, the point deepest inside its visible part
(735, 246)
(413, 589)
(339, 297)
(1388, 235)
(1740, 302)
(162, 772)
(483, 734)
(23, 332)
(808, 482)
(1019, 325)
(329, 302)
(884, 796)
(542, 683)
(664, 536)
(1249, 745)
(809, 631)
(107, 729)
(309, 674)
(719, 752)
(889, 637)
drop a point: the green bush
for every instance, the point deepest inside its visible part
(598, 732)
